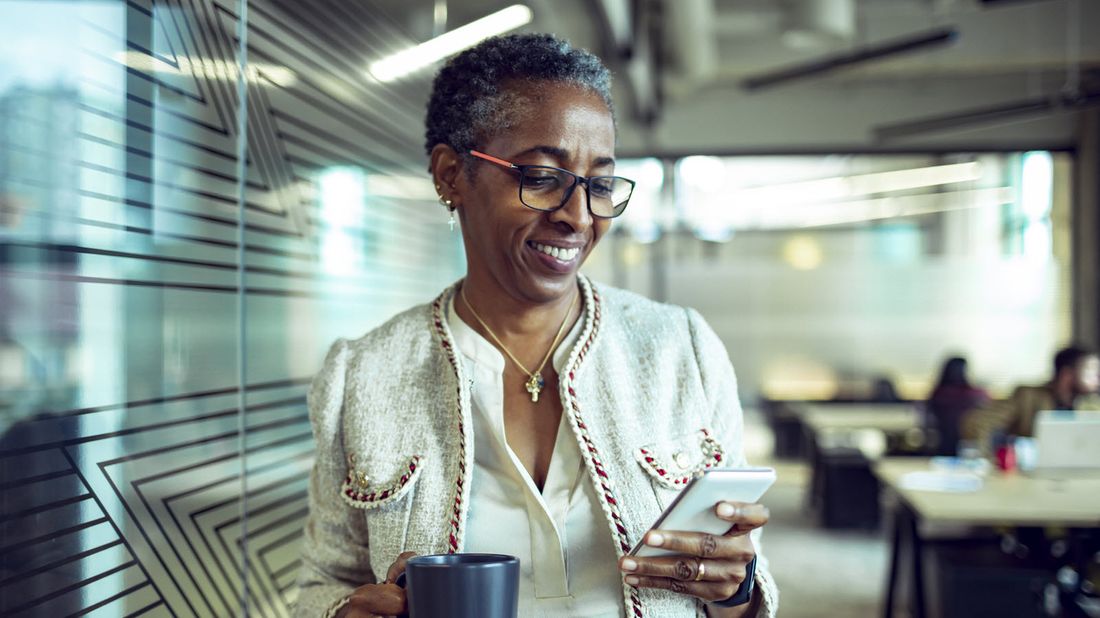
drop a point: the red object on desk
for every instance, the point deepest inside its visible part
(1006, 457)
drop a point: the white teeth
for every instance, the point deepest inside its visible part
(557, 252)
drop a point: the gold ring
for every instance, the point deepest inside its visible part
(701, 571)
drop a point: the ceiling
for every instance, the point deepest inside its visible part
(681, 68)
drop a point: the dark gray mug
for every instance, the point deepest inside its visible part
(462, 586)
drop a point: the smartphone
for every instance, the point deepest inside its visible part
(693, 508)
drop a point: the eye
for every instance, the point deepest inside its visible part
(602, 186)
(541, 179)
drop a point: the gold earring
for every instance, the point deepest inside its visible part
(449, 205)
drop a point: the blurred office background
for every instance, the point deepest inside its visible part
(848, 190)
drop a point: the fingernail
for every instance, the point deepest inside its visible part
(725, 509)
(632, 580)
(655, 539)
(629, 565)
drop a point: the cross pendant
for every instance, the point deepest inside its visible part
(534, 386)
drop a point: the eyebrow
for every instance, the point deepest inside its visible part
(561, 154)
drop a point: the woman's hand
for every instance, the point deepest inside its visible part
(710, 567)
(379, 600)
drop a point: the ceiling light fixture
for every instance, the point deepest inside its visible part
(762, 216)
(861, 55)
(405, 62)
(992, 115)
(846, 187)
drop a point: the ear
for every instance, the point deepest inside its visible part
(446, 167)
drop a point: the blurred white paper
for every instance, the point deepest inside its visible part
(954, 482)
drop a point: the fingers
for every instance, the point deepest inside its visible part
(708, 591)
(700, 544)
(685, 568)
(398, 566)
(377, 599)
(745, 517)
(711, 568)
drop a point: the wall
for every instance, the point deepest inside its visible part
(1087, 232)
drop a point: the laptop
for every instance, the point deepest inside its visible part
(1067, 441)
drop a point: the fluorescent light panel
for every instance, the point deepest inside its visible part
(819, 215)
(408, 61)
(825, 201)
(847, 187)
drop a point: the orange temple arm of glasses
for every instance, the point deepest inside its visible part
(482, 155)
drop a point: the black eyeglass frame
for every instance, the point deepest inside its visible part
(618, 209)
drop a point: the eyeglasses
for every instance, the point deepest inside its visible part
(546, 188)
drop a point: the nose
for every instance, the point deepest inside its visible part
(574, 212)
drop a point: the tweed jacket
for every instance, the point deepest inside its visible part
(648, 392)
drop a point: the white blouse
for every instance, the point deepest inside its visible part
(568, 565)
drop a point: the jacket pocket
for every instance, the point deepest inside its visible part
(362, 491)
(672, 463)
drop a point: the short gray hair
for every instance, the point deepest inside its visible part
(469, 100)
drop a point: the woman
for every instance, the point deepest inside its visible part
(951, 400)
(527, 410)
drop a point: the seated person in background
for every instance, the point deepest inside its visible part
(1074, 387)
(950, 401)
(883, 391)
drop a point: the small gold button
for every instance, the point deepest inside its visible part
(682, 460)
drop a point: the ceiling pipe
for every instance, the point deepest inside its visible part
(819, 24)
(993, 114)
(861, 55)
(618, 18)
(628, 26)
(688, 28)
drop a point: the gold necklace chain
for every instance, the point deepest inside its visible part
(535, 381)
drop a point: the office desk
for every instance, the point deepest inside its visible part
(840, 440)
(888, 418)
(1004, 500)
(787, 419)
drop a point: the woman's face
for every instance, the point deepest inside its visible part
(507, 242)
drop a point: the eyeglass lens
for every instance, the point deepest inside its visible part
(547, 188)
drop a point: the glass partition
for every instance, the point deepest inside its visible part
(128, 301)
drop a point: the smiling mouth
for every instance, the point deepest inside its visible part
(558, 253)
